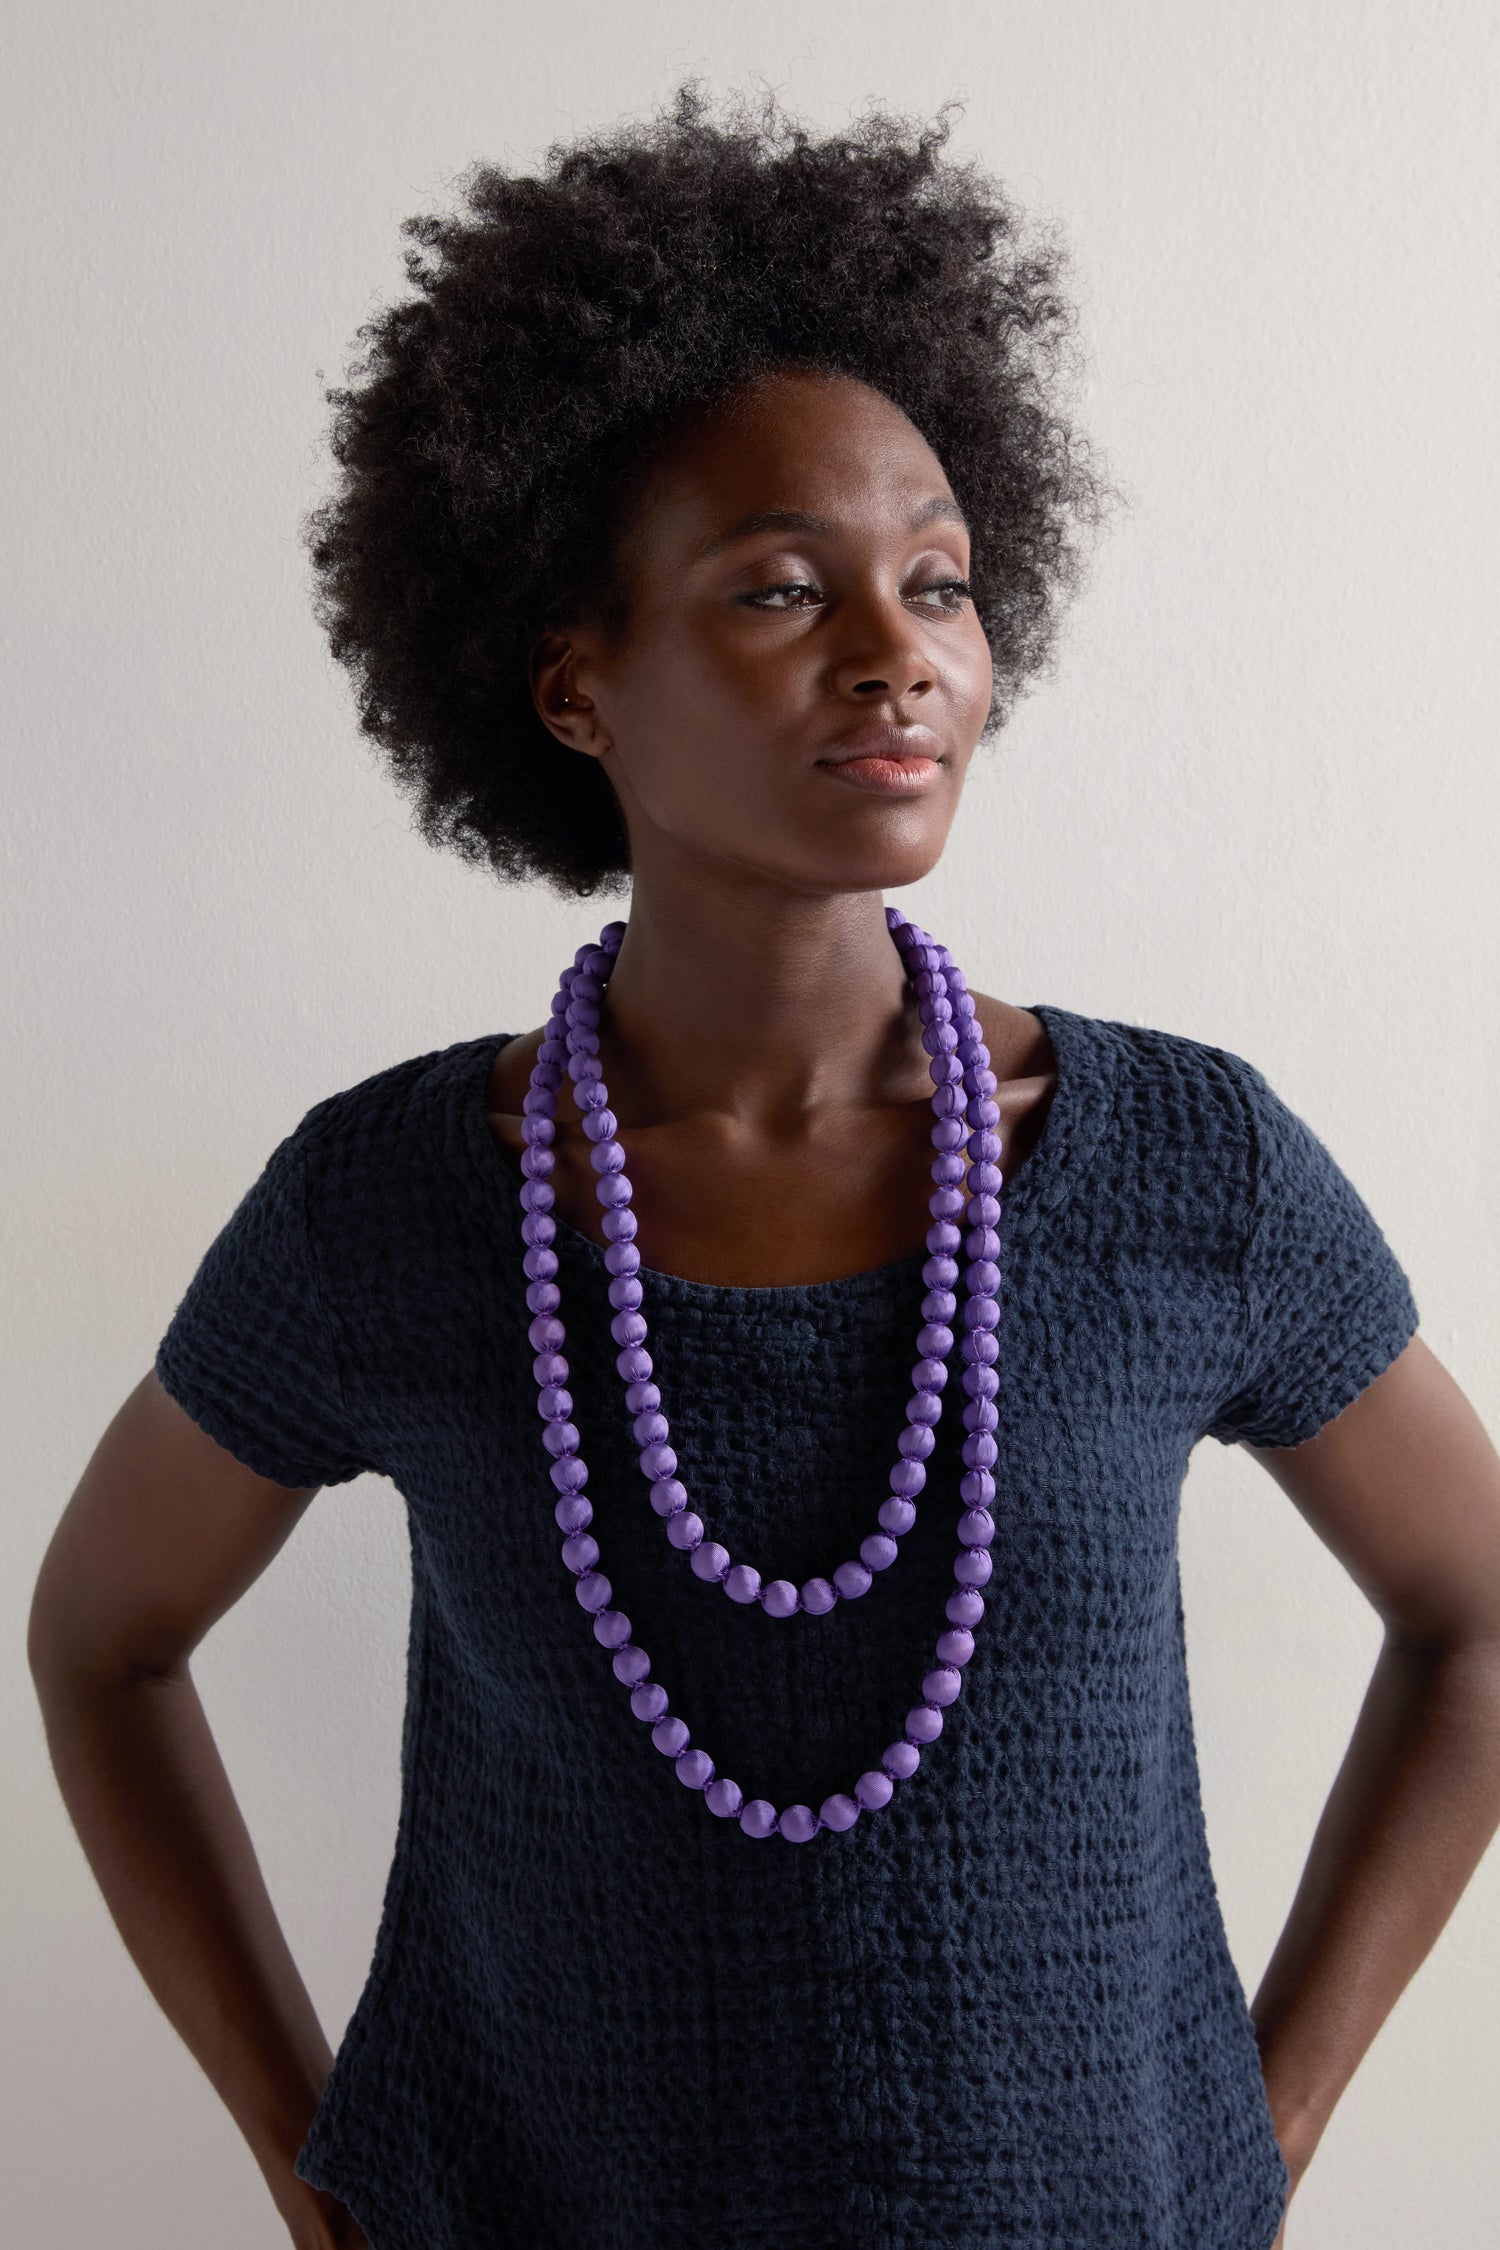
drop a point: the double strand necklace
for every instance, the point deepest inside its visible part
(965, 1186)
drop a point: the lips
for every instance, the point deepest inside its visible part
(900, 745)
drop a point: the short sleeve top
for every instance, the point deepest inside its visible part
(1000, 2010)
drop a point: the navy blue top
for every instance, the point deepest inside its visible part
(999, 2013)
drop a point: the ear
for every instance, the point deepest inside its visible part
(562, 706)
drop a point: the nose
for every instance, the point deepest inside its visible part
(883, 653)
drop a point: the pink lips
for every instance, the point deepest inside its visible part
(892, 761)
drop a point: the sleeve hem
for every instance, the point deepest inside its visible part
(248, 1446)
(1341, 1386)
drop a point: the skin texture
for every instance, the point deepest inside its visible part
(757, 1026)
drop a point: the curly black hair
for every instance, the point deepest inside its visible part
(564, 326)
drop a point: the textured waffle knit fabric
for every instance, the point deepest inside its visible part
(999, 2013)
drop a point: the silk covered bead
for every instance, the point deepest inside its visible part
(852, 1579)
(649, 1700)
(631, 1664)
(780, 1598)
(818, 1597)
(902, 1759)
(799, 1824)
(758, 1817)
(695, 1769)
(924, 1723)
(581, 1552)
(974, 1567)
(593, 1590)
(879, 1551)
(685, 1530)
(943, 1685)
(611, 1628)
(838, 1813)
(873, 1790)
(724, 1798)
(957, 1646)
(896, 1516)
(710, 1560)
(742, 1584)
(670, 1736)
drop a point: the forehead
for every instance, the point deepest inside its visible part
(829, 446)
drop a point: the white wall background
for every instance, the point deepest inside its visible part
(1259, 805)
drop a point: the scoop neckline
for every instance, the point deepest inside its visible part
(1081, 1106)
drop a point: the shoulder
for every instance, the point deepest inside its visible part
(376, 1144)
(1166, 1084)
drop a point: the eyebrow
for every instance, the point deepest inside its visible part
(939, 509)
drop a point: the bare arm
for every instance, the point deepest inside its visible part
(164, 1533)
(1404, 1487)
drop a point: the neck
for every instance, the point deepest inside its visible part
(762, 1006)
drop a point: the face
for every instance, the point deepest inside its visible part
(758, 650)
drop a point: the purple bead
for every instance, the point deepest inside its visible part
(907, 1478)
(924, 1723)
(818, 1597)
(799, 1824)
(957, 1646)
(631, 1664)
(964, 1606)
(593, 1590)
(611, 1628)
(669, 1497)
(873, 1790)
(897, 1516)
(879, 1551)
(573, 1511)
(695, 1768)
(685, 1530)
(724, 1797)
(581, 1552)
(780, 1598)
(670, 1736)
(902, 1760)
(942, 1686)
(658, 1461)
(852, 1579)
(758, 1818)
(838, 1813)
(742, 1583)
(976, 1527)
(710, 1560)
(973, 1567)
(649, 1700)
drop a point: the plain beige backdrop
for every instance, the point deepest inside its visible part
(1258, 804)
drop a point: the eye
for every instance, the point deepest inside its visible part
(958, 588)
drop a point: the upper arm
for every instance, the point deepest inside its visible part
(1404, 1487)
(163, 1533)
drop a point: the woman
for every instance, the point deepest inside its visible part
(702, 509)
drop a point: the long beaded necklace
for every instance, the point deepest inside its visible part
(965, 1110)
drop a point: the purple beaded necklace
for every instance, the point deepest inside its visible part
(965, 1109)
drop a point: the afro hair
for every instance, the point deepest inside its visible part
(561, 326)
